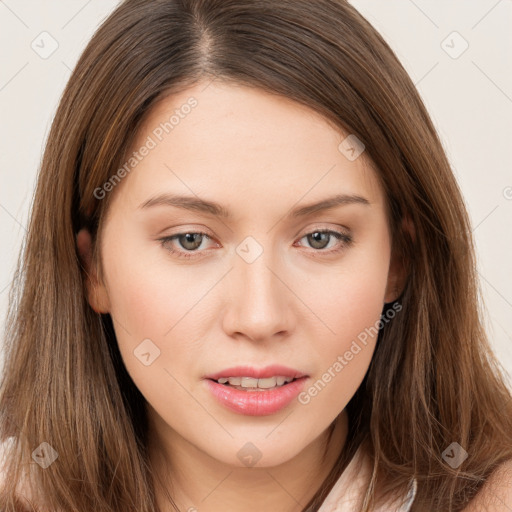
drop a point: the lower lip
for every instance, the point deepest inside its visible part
(256, 403)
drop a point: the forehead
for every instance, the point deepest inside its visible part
(237, 144)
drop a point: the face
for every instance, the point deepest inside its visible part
(259, 280)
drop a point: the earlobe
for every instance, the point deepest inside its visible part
(398, 268)
(96, 292)
(397, 274)
(393, 287)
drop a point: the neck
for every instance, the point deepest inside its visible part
(197, 481)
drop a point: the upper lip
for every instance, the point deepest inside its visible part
(257, 373)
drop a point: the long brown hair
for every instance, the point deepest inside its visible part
(433, 379)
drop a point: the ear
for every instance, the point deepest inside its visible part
(96, 292)
(398, 271)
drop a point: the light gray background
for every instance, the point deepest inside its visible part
(468, 94)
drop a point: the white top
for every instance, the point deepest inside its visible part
(347, 493)
(343, 497)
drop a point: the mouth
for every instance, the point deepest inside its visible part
(256, 397)
(252, 384)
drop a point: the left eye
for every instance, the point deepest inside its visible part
(192, 241)
(317, 239)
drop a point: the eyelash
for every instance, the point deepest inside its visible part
(345, 238)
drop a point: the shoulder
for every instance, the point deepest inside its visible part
(348, 492)
(496, 493)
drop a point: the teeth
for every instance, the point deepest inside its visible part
(252, 383)
(269, 382)
(247, 382)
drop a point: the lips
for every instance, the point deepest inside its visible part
(257, 373)
(260, 402)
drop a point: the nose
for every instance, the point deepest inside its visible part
(259, 305)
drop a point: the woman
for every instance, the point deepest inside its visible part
(249, 280)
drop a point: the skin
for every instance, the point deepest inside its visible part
(259, 155)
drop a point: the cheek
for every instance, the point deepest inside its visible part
(148, 292)
(350, 304)
(349, 294)
(151, 300)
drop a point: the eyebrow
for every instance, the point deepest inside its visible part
(194, 203)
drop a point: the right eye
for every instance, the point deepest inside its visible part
(189, 241)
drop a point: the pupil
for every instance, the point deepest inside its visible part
(316, 239)
(190, 238)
